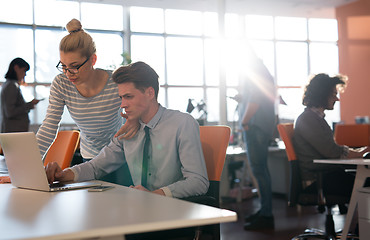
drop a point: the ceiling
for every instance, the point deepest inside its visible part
(296, 8)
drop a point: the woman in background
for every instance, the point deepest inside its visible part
(14, 108)
(89, 94)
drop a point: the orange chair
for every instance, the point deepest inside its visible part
(312, 195)
(352, 135)
(286, 132)
(63, 148)
(215, 140)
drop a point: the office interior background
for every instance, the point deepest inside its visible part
(198, 49)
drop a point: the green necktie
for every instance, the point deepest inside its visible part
(144, 173)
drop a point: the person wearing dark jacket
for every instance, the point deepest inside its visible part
(14, 108)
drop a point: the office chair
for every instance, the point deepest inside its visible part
(352, 135)
(63, 148)
(311, 195)
(215, 140)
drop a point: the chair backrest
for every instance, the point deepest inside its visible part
(286, 131)
(63, 148)
(352, 135)
(215, 140)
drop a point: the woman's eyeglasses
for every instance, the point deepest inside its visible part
(72, 70)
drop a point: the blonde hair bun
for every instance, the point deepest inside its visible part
(74, 26)
(77, 40)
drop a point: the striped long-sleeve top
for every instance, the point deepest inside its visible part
(98, 118)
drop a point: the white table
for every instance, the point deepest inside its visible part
(79, 214)
(362, 173)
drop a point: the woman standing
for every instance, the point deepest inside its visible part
(14, 109)
(89, 94)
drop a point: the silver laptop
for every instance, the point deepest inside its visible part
(25, 166)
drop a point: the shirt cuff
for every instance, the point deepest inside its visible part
(75, 174)
(167, 192)
(345, 152)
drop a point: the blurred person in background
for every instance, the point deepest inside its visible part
(257, 93)
(14, 108)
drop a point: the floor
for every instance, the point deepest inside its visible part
(289, 221)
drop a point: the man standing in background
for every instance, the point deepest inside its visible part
(257, 120)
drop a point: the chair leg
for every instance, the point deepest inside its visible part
(198, 233)
(329, 226)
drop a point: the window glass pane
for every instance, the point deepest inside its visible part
(184, 66)
(323, 29)
(28, 95)
(66, 117)
(102, 16)
(109, 48)
(210, 24)
(293, 99)
(162, 96)
(265, 51)
(324, 58)
(259, 27)
(291, 60)
(291, 28)
(232, 105)
(16, 42)
(213, 104)
(47, 54)
(146, 20)
(232, 25)
(183, 22)
(334, 115)
(212, 55)
(178, 98)
(233, 68)
(27, 92)
(40, 110)
(16, 11)
(149, 49)
(55, 13)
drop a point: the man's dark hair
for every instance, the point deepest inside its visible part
(320, 88)
(11, 73)
(140, 74)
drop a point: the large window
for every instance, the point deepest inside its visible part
(36, 39)
(184, 47)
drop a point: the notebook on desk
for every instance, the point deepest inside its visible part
(25, 166)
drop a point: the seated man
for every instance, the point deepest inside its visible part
(313, 138)
(175, 164)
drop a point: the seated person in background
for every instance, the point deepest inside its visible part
(176, 165)
(313, 138)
